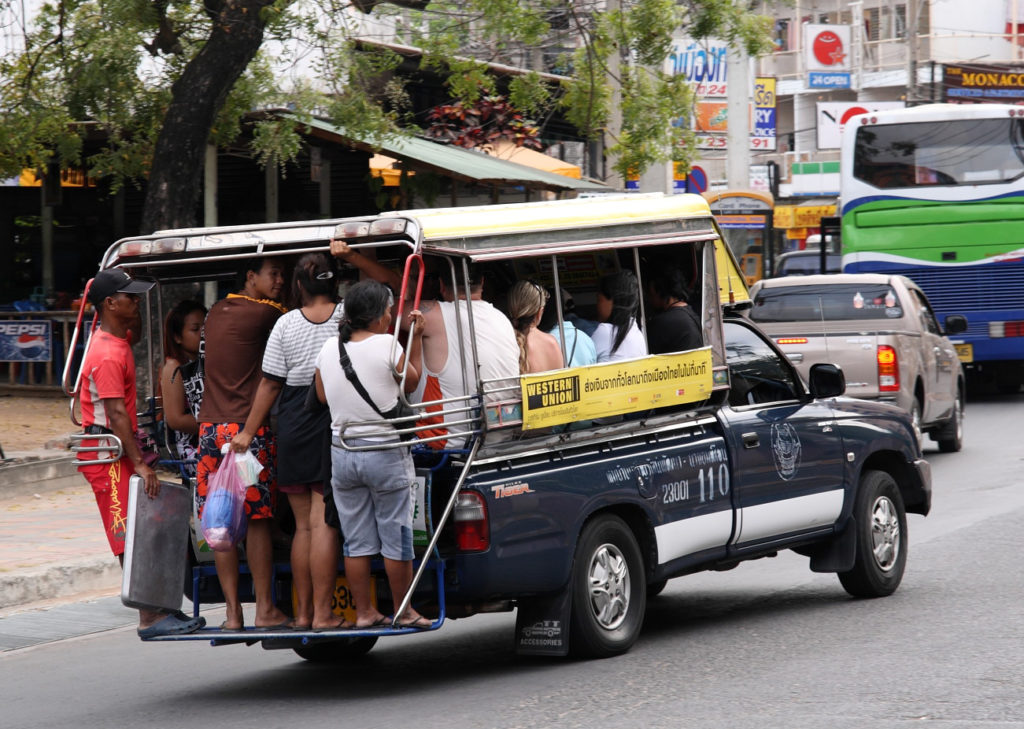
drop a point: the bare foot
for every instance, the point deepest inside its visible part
(336, 625)
(273, 619)
(373, 622)
(233, 623)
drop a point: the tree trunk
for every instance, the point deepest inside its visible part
(176, 176)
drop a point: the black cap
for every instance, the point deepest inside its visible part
(115, 281)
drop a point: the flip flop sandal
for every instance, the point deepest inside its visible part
(284, 625)
(225, 629)
(380, 622)
(420, 623)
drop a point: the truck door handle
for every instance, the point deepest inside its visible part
(750, 440)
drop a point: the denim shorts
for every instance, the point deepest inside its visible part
(373, 492)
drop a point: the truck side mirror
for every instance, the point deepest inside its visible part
(827, 380)
(955, 323)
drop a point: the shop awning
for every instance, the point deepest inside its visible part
(504, 149)
(462, 164)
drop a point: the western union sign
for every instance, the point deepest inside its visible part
(615, 388)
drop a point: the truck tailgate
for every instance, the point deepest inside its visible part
(853, 350)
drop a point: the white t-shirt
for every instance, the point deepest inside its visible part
(372, 363)
(632, 346)
(293, 345)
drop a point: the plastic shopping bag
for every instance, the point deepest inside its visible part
(249, 468)
(223, 521)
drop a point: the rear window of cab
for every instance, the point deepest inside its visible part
(833, 302)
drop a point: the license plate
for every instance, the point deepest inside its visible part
(342, 603)
(965, 352)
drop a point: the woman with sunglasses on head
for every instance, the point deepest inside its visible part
(538, 351)
(372, 488)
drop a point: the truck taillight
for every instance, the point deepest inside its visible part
(791, 340)
(888, 369)
(472, 532)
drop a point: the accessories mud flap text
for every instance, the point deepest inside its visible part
(542, 625)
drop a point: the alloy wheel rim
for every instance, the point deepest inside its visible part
(885, 533)
(609, 584)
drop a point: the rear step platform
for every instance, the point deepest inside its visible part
(251, 635)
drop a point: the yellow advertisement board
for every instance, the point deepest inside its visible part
(615, 388)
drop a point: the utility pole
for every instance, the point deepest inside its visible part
(737, 167)
(912, 10)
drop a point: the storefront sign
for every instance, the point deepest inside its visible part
(744, 222)
(992, 84)
(703, 63)
(763, 133)
(833, 115)
(827, 47)
(828, 80)
(26, 341)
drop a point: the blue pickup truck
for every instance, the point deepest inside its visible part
(572, 496)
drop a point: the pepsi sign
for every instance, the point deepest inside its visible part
(26, 341)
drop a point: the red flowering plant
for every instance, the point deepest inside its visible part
(480, 123)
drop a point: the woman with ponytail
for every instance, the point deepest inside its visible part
(538, 351)
(372, 488)
(618, 337)
(303, 435)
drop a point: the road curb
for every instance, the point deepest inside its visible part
(35, 474)
(22, 587)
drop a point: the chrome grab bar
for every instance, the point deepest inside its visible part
(113, 444)
(448, 509)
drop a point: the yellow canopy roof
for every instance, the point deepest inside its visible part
(504, 149)
(383, 166)
(387, 167)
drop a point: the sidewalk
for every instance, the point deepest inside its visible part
(51, 541)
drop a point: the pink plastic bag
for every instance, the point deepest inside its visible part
(223, 521)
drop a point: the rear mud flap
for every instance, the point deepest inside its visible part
(542, 625)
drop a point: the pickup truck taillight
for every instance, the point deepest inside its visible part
(888, 369)
(472, 533)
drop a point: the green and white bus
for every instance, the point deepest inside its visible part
(936, 193)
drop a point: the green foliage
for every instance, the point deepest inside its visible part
(112, 65)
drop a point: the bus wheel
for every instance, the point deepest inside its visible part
(337, 650)
(609, 592)
(881, 551)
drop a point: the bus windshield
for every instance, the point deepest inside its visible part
(951, 152)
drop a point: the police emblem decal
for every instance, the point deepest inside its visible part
(786, 450)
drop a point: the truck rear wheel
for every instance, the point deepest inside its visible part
(337, 650)
(951, 437)
(881, 552)
(609, 589)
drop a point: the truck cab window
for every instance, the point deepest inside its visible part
(757, 373)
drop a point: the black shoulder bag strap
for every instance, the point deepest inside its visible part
(350, 373)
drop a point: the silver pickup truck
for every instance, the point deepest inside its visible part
(881, 330)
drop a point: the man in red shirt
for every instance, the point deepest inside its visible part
(109, 408)
(235, 335)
